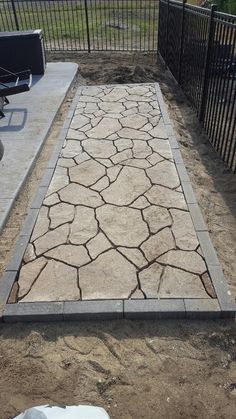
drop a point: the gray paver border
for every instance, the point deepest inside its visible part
(155, 309)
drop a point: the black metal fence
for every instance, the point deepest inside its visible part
(86, 25)
(199, 47)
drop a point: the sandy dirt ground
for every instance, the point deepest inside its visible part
(132, 369)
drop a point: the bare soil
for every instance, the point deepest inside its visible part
(171, 369)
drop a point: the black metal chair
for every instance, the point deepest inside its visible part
(14, 83)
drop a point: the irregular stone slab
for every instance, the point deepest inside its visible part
(42, 224)
(137, 98)
(86, 128)
(133, 134)
(123, 155)
(101, 184)
(29, 253)
(91, 108)
(98, 245)
(66, 162)
(106, 127)
(111, 107)
(105, 162)
(206, 280)
(157, 218)
(51, 200)
(72, 255)
(52, 239)
(78, 121)
(109, 276)
(155, 158)
(79, 195)
(134, 255)
(123, 144)
(131, 111)
(141, 149)
(189, 261)
(145, 108)
(82, 157)
(72, 149)
(165, 174)
(137, 295)
(147, 127)
(130, 105)
(166, 197)
(159, 131)
(75, 135)
(162, 147)
(180, 284)
(90, 99)
(112, 172)
(28, 275)
(138, 90)
(60, 214)
(62, 285)
(150, 280)
(84, 226)
(139, 163)
(140, 203)
(183, 230)
(95, 121)
(115, 95)
(59, 180)
(123, 226)
(92, 91)
(130, 184)
(101, 148)
(87, 173)
(133, 121)
(158, 244)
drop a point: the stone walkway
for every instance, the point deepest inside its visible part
(115, 223)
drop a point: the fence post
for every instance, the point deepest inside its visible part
(167, 29)
(210, 40)
(87, 24)
(15, 15)
(181, 43)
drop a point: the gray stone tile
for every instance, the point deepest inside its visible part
(17, 254)
(6, 283)
(197, 217)
(188, 193)
(204, 308)
(33, 312)
(227, 304)
(154, 309)
(29, 222)
(38, 200)
(207, 248)
(177, 156)
(93, 310)
(182, 172)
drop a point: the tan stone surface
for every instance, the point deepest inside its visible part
(59, 180)
(79, 195)
(51, 200)
(72, 149)
(158, 244)
(159, 131)
(28, 275)
(139, 163)
(150, 280)
(183, 230)
(133, 121)
(123, 144)
(60, 214)
(120, 157)
(106, 127)
(109, 276)
(72, 255)
(189, 261)
(63, 162)
(141, 149)
(115, 95)
(157, 218)
(98, 245)
(165, 197)
(52, 239)
(134, 134)
(87, 173)
(111, 107)
(112, 172)
(79, 121)
(42, 224)
(101, 184)
(130, 183)
(123, 226)
(29, 254)
(99, 148)
(165, 174)
(62, 285)
(84, 226)
(137, 295)
(134, 255)
(140, 203)
(180, 284)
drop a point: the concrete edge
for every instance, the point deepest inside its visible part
(100, 310)
(218, 280)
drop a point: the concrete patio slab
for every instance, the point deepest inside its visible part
(24, 129)
(118, 223)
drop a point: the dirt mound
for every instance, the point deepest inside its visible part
(121, 75)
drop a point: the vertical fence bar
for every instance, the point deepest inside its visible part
(167, 30)
(15, 15)
(210, 41)
(181, 43)
(87, 25)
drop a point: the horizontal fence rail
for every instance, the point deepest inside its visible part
(86, 25)
(198, 45)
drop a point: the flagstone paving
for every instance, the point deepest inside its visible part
(114, 223)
